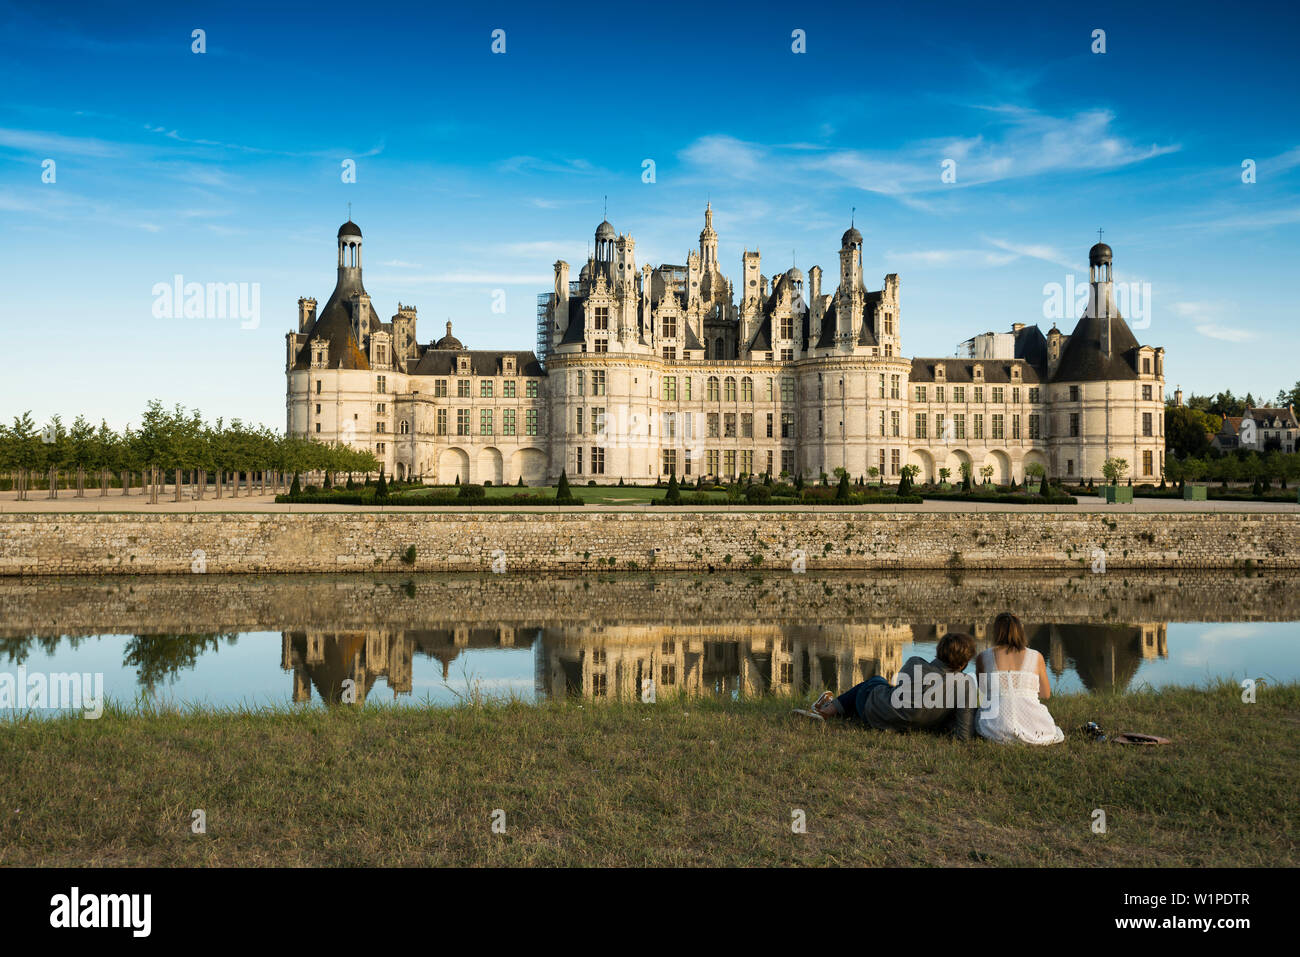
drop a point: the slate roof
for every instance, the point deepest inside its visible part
(1083, 361)
(961, 371)
(334, 323)
(482, 362)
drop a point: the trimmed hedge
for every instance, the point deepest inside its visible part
(1002, 498)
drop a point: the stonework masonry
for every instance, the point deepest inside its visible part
(739, 540)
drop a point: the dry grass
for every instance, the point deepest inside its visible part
(678, 783)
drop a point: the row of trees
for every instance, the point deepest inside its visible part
(1226, 404)
(1279, 467)
(168, 440)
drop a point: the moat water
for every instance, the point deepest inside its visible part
(419, 640)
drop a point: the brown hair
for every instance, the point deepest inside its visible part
(956, 650)
(1008, 632)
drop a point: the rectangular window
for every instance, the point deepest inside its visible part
(485, 389)
(381, 383)
(670, 327)
(787, 355)
(670, 461)
(508, 422)
(769, 425)
(998, 393)
(442, 422)
(882, 421)
(1015, 426)
(747, 462)
(729, 425)
(462, 421)
(1146, 393)
(938, 427)
(920, 426)
(670, 388)
(999, 427)
(484, 421)
(747, 425)
(381, 426)
(578, 421)
(508, 389)
(1033, 393)
(1146, 424)
(318, 386)
(598, 382)
(602, 345)
(440, 388)
(598, 421)
(894, 423)
(959, 426)
(787, 425)
(979, 393)
(882, 387)
(687, 383)
(530, 389)
(979, 426)
(1034, 426)
(787, 461)
(686, 462)
(577, 460)
(959, 393)
(1069, 466)
(729, 463)
(712, 419)
(600, 320)
(1015, 394)
(1147, 463)
(938, 393)
(711, 462)
(920, 393)
(769, 389)
(530, 421)
(670, 353)
(893, 386)
(1074, 393)
(597, 461)
(893, 461)
(1074, 424)
(787, 389)
(462, 388)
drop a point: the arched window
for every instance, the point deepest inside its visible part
(405, 427)
(729, 388)
(712, 395)
(746, 389)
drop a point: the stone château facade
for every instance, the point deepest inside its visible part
(646, 371)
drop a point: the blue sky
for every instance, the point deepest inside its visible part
(476, 171)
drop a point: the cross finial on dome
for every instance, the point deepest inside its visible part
(1099, 235)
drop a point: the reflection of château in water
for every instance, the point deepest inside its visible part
(618, 662)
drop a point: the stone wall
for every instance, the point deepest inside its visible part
(214, 543)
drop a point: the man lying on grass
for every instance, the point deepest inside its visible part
(930, 695)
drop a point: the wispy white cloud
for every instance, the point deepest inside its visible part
(1020, 143)
(56, 144)
(1213, 319)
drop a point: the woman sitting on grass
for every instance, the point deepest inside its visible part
(1012, 679)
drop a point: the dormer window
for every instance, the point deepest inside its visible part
(1015, 373)
(979, 373)
(462, 365)
(940, 372)
(508, 365)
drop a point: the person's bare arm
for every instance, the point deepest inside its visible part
(1044, 685)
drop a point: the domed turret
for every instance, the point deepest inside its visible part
(606, 231)
(1099, 255)
(851, 237)
(448, 341)
(350, 229)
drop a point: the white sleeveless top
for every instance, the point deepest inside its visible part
(1009, 705)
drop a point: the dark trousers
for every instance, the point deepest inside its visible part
(853, 701)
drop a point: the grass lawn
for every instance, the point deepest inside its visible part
(683, 782)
